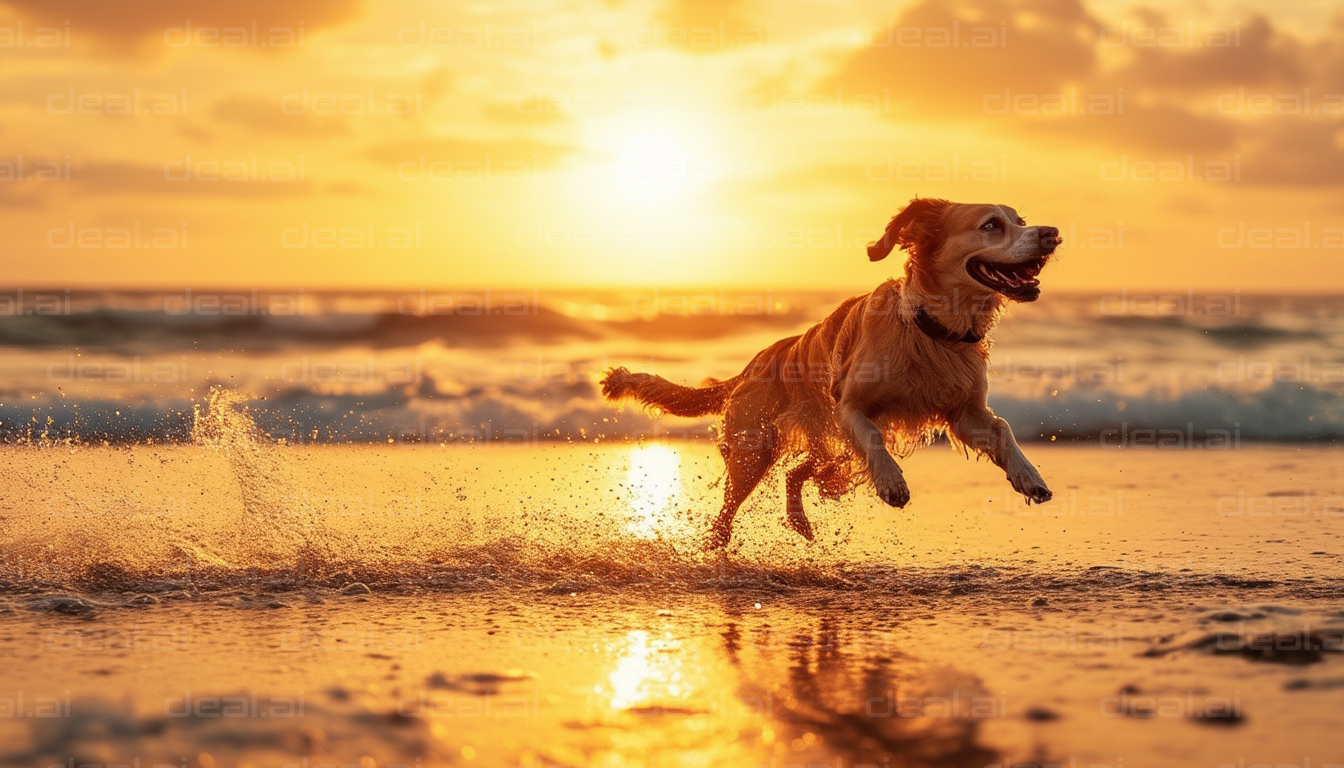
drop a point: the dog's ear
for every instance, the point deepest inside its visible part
(914, 229)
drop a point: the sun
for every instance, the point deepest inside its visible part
(645, 202)
(654, 167)
(656, 160)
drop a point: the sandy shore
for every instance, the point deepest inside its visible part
(257, 606)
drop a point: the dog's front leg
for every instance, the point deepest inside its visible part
(882, 468)
(982, 431)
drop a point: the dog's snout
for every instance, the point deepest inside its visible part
(1048, 238)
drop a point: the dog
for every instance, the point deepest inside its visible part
(891, 369)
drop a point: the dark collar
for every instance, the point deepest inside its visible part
(939, 332)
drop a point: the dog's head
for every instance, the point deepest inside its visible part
(971, 247)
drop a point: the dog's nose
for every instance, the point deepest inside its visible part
(1049, 238)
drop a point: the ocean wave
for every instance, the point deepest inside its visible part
(146, 326)
(193, 320)
(530, 414)
(496, 367)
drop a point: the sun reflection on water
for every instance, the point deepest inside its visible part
(654, 479)
(648, 672)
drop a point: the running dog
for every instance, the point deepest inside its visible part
(886, 371)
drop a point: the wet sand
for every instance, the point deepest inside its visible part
(234, 603)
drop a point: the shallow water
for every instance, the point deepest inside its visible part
(234, 602)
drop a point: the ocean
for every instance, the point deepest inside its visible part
(312, 530)
(1122, 369)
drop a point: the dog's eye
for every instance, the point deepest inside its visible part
(992, 225)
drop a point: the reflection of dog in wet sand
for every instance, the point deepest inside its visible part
(893, 367)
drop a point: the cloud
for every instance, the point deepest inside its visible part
(1253, 55)
(1307, 154)
(146, 21)
(436, 84)
(349, 189)
(26, 194)
(533, 111)
(704, 27)
(265, 116)
(1160, 127)
(1034, 69)
(944, 58)
(497, 156)
(194, 177)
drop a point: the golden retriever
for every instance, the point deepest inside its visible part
(890, 369)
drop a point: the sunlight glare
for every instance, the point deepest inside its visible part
(645, 670)
(655, 160)
(653, 166)
(654, 478)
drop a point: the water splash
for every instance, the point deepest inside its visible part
(273, 531)
(223, 422)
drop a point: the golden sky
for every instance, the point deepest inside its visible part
(540, 143)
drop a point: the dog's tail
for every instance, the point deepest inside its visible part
(621, 384)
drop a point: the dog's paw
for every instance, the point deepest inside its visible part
(1034, 490)
(800, 524)
(895, 496)
(889, 483)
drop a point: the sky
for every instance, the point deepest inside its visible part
(575, 143)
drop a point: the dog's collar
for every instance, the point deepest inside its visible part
(939, 332)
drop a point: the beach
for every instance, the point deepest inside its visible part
(368, 371)
(236, 602)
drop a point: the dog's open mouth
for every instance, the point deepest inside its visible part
(1016, 281)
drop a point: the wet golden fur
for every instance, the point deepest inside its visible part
(837, 400)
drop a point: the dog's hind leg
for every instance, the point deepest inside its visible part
(749, 454)
(795, 518)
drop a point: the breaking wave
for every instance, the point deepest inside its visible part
(522, 368)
